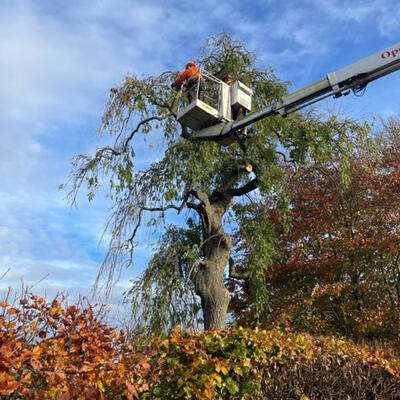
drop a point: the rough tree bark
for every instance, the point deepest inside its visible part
(209, 280)
(217, 245)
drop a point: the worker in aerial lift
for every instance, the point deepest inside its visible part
(237, 112)
(191, 78)
(228, 79)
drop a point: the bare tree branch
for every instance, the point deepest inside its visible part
(247, 188)
(231, 180)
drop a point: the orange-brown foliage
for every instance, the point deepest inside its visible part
(52, 351)
(338, 267)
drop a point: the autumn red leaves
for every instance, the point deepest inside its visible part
(56, 351)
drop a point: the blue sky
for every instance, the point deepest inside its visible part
(59, 59)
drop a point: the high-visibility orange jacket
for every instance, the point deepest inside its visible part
(189, 73)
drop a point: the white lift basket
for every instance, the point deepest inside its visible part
(241, 96)
(213, 104)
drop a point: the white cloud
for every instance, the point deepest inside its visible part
(389, 21)
(356, 10)
(51, 72)
(383, 15)
(19, 155)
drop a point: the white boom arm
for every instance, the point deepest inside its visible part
(355, 76)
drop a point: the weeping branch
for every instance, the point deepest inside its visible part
(138, 126)
(85, 165)
(118, 245)
(154, 209)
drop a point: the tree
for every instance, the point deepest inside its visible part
(201, 177)
(337, 270)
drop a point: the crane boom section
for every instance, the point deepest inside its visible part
(378, 64)
(354, 76)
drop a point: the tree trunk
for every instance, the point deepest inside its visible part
(209, 280)
(210, 287)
